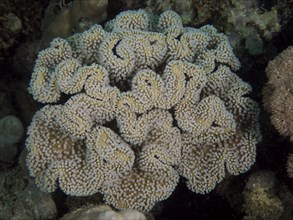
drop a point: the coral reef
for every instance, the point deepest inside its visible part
(62, 18)
(253, 24)
(11, 132)
(278, 92)
(148, 101)
(21, 199)
(14, 25)
(265, 198)
(103, 212)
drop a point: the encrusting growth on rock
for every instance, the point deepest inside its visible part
(148, 102)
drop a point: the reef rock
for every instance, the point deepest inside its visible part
(103, 212)
(11, 132)
(21, 199)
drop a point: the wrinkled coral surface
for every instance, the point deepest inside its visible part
(145, 103)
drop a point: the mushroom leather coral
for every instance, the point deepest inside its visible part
(140, 103)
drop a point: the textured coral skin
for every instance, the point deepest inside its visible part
(278, 92)
(148, 103)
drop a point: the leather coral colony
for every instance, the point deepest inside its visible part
(149, 101)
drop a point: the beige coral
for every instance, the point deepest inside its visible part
(147, 102)
(219, 132)
(133, 20)
(127, 51)
(54, 154)
(154, 178)
(86, 44)
(78, 164)
(278, 92)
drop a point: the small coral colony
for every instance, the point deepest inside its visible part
(134, 105)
